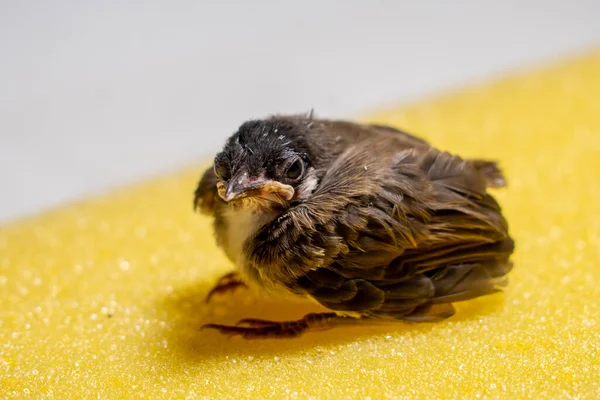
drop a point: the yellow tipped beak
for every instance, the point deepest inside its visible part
(267, 189)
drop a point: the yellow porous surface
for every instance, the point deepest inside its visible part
(105, 298)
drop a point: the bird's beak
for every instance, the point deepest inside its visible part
(241, 187)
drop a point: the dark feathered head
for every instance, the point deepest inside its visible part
(265, 161)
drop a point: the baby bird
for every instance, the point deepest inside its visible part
(366, 220)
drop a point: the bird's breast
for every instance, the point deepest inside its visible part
(238, 224)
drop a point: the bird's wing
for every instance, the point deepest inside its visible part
(390, 129)
(206, 192)
(397, 236)
(489, 169)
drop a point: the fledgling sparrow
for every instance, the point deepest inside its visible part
(369, 221)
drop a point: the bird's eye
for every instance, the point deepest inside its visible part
(295, 170)
(222, 172)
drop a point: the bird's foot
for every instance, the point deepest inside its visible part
(262, 329)
(227, 283)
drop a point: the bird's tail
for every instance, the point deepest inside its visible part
(455, 283)
(491, 171)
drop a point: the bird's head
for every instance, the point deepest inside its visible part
(267, 163)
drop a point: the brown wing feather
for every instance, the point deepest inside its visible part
(206, 192)
(391, 236)
(409, 137)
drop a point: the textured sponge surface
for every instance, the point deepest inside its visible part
(105, 298)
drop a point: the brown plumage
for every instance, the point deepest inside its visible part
(368, 221)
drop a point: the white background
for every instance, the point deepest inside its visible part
(96, 94)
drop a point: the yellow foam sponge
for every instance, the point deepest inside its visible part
(105, 298)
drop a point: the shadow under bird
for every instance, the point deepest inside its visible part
(366, 220)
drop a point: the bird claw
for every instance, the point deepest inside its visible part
(225, 329)
(260, 332)
(263, 329)
(253, 322)
(227, 283)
